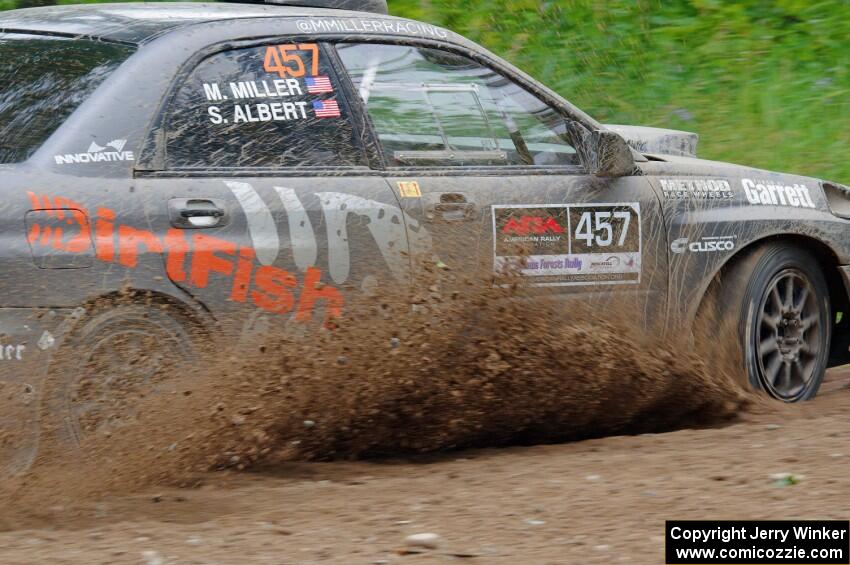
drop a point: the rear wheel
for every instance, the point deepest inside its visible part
(115, 359)
(778, 299)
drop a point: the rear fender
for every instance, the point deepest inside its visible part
(29, 338)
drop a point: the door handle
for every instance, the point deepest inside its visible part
(452, 207)
(197, 213)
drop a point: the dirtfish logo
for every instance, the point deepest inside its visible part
(113, 151)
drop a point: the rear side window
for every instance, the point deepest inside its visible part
(433, 107)
(42, 81)
(271, 106)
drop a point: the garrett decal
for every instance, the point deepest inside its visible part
(195, 258)
(769, 193)
(569, 245)
(113, 151)
(697, 189)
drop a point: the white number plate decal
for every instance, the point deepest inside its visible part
(569, 244)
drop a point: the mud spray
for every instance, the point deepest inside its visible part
(454, 369)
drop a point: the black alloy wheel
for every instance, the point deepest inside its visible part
(777, 297)
(789, 337)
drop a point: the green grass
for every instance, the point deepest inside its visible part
(764, 83)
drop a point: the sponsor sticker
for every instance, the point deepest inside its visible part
(697, 189)
(363, 25)
(193, 258)
(111, 152)
(773, 193)
(572, 244)
(409, 189)
(703, 244)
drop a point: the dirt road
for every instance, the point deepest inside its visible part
(595, 501)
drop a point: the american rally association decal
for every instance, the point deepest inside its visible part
(569, 244)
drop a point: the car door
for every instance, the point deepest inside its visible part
(271, 210)
(487, 168)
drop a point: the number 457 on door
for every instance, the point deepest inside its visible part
(595, 227)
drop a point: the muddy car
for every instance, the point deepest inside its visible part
(240, 166)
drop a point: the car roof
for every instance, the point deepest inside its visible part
(136, 23)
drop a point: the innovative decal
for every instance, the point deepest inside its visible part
(568, 244)
(112, 151)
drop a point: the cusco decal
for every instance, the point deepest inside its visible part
(576, 244)
(189, 257)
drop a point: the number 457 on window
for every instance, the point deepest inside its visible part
(286, 61)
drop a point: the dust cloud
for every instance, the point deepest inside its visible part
(455, 369)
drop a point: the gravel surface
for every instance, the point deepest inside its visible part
(595, 501)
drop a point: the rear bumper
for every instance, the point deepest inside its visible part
(845, 274)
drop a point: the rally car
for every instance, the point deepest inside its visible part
(235, 166)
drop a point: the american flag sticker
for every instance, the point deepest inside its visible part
(326, 108)
(319, 85)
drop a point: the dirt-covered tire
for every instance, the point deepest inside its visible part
(778, 300)
(116, 356)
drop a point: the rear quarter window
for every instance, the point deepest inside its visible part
(42, 81)
(270, 106)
